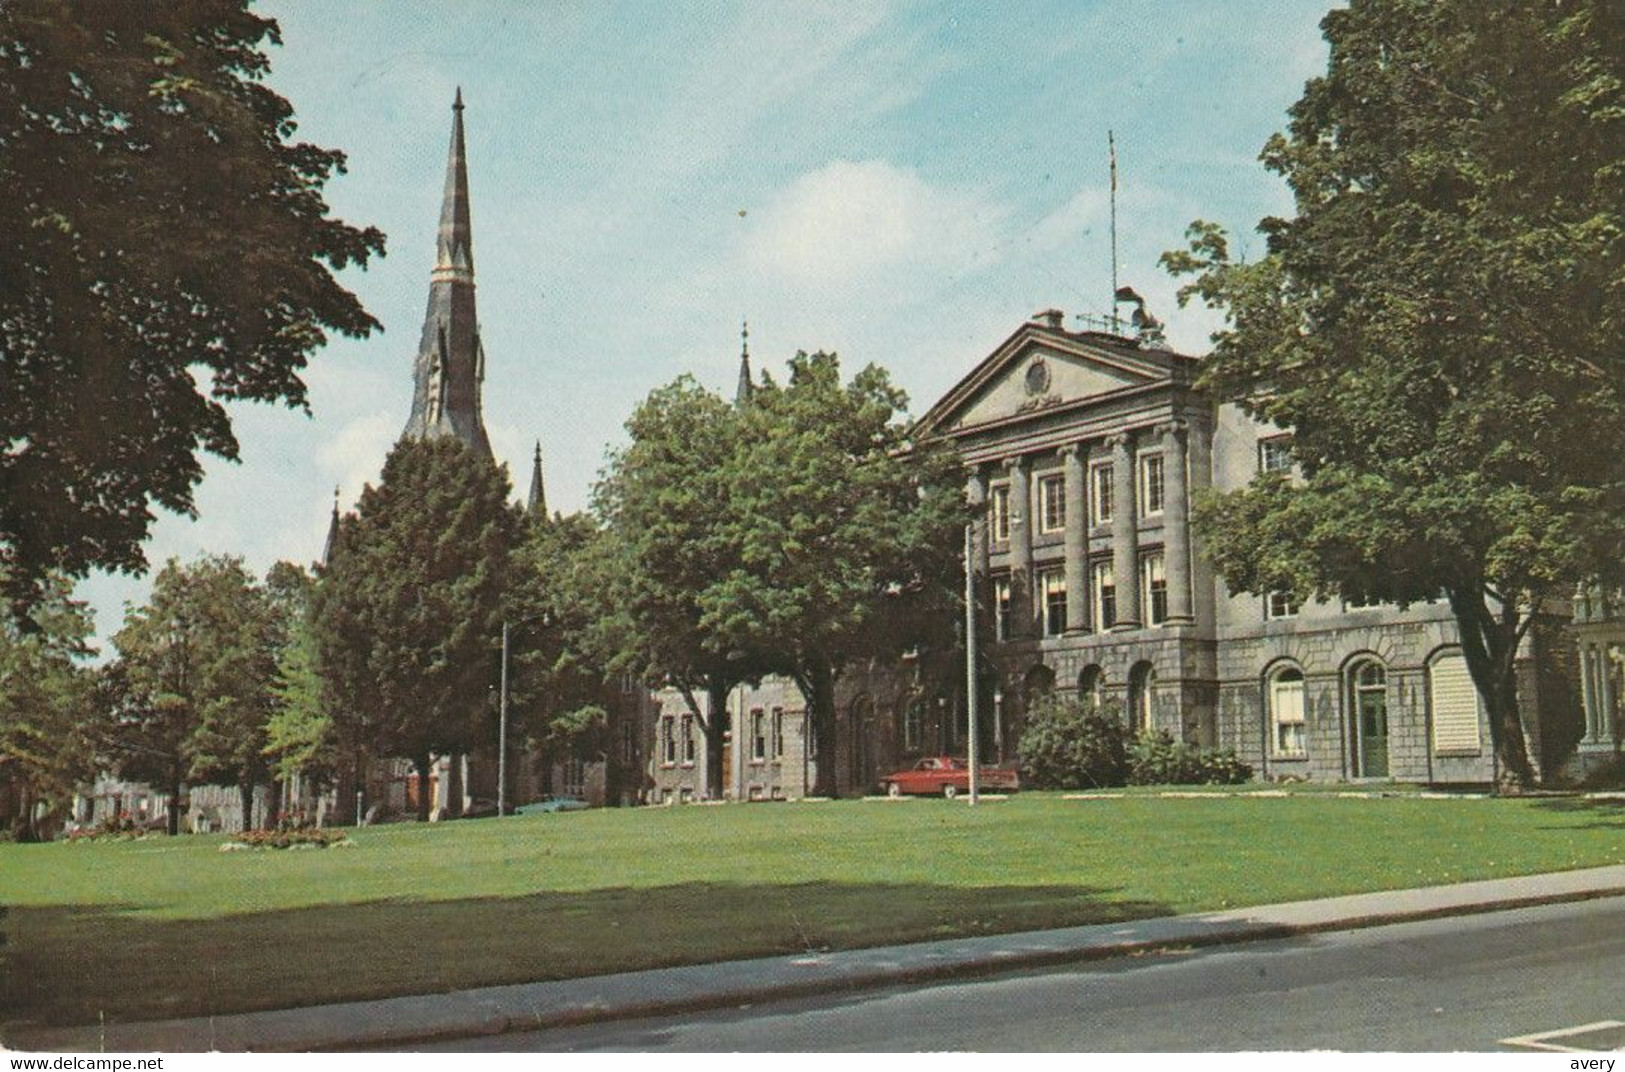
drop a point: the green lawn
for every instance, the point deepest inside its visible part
(177, 928)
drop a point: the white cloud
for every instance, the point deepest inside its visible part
(355, 454)
(863, 225)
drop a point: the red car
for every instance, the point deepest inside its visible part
(949, 776)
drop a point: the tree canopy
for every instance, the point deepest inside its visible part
(408, 615)
(793, 533)
(1441, 325)
(164, 249)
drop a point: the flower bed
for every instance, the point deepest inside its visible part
(301, 838)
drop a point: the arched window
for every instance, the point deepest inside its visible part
(1141, 686)
(1368, 694)
(1092, 687)
(1285, 692)
(1040, 682)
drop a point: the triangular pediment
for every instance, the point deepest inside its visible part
(1037, 369)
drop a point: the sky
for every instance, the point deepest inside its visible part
(901, 183)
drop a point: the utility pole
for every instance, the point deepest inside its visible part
(1111, 152)
(970, 660)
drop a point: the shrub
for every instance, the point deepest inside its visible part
(1157, 759)
(1067, 744)
(288, 838)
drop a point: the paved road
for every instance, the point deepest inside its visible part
(1464, 983)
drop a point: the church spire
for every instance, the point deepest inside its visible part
(536, 507)
(742, 391)
(331, 547)
(450, 366)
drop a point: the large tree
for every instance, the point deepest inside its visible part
(164, 249)
(47, 739)
(1441, 325)
(193, 682)
(664, 500)
(408, 615)
(848, 536)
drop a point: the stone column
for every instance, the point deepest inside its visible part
(1077, 540)
(1021, 549)
(976, 495)
(1605, 680)
(1125, 532)
(1176, 542)
(1588, 693)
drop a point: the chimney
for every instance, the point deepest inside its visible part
(1051, 318)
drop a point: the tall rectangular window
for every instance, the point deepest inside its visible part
(778, 733)
(1100, 494)
(688, 739)
(1001, 608)
(1154, 588)
(1150, 484)
(1275, 454)
(1052, 504)
(758, 735)
(1052, 587)
(913, 725)
(1286, 712)
(668, 741)
(998, 513)
(1105, 595)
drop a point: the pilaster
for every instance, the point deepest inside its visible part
(1125, 532)
(1176, 521)
(1077, 549)
(1021, 549)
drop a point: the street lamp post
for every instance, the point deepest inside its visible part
(970, 661)
(502, 731)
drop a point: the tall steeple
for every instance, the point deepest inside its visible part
(331, 547)
(742, 391)
(450, 366)
(536, 506)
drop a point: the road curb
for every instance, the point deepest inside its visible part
(404, 1021)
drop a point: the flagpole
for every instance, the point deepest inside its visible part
(1111, 152)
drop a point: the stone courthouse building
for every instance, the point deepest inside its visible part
(1085, 450)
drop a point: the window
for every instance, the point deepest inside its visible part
(914, 724)
(1100, 484)
(1150, 484)
(1092, 687)
(1361, 603)
(1455, 707)
(1286, 712)
(1052, 583)
(1001, 608)
(668, 741)
(998, 513)
(1051, 504)
(629, 741)
(688, 739)
(1275, 454)
(1280, 604)
(1105, 596)
(758, 735)
(1369, 690)
(1154, 588)
(949, 724)
(574, 777)
(1141, 705)
(778, 733)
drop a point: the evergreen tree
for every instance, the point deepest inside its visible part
(408, 616)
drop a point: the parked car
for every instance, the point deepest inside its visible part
(948, 776)
(549, 804)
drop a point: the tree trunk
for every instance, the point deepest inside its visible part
(245, 796)
(715, 727)
(174, 826)
(819, 692)
(454, 786)
(1489, 642)
(424, 795)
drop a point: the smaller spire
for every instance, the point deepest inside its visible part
(332, 545)
(536, 505)
(742, 392)
(457, 105)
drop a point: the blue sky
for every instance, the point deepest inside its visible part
(901, 183)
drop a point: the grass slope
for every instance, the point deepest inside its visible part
(164, 928)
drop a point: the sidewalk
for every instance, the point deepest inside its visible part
(530, 1006)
